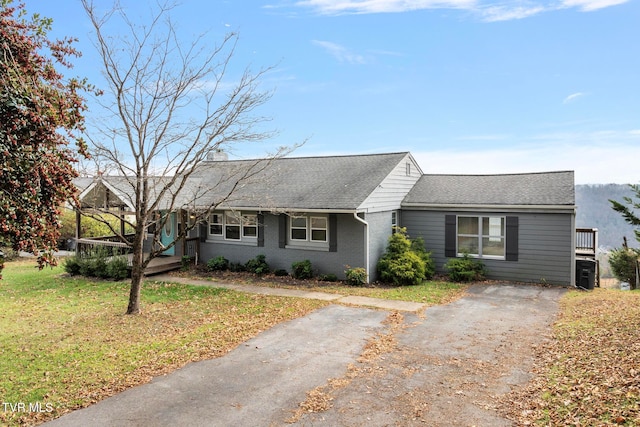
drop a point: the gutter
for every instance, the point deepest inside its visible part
(281, 210)
(366, 237)
(490, 208)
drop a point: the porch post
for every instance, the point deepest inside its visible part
(122, 221)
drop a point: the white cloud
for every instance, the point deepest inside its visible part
(508, 12)
(336, 7)
(591, 5)
(572, 97)
(489, 11)
(339, 52)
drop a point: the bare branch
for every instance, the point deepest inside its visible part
(170, 104)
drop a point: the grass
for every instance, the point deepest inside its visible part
(432, 292)
(589, 372)
(65, 342)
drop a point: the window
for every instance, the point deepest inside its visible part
(308, 229)
(215, 224)
(249, 225)
(168, 226)
(233, 226)
(408, 169)
(394, 221)
(481, 236)
(318, 229)
(299, 228)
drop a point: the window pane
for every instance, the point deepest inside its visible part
(299, 234)
(317, 222)
(299, 222)
(319, 235)
(232, 218)
(249, 220)
(493, 226)
(251, 231)
(468, 245)
(232, 232)
(468, 225)
(215, 229)
(493, 246)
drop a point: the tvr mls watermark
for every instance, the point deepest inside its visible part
(27, 407)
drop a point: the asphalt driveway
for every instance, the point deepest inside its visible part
(440, 366)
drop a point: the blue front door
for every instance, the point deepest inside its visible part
(168, 234)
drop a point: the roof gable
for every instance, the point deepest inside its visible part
(298, 183)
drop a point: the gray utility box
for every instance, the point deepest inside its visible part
(585, 273)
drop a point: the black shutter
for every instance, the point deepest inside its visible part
(450, 237)
(512, 238)
(260, 230)
(282, 231)
(333, 233)
(203, 231)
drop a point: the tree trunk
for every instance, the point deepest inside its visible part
(134, 293)
(137, 273)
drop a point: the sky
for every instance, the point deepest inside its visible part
(467, 86)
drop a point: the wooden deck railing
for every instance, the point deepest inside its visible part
(586, 241)
(105, 245)
(112, 246)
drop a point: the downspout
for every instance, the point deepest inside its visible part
(572, 275)
(366, 239)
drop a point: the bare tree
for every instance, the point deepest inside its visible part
(169, 104)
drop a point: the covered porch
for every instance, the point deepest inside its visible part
(108, 197)
(110, 245)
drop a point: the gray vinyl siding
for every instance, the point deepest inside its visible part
(350, 249)
(545, 249)
(379, 232)
(389, 194)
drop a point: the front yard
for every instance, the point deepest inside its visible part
(65, 342)
(589, 372)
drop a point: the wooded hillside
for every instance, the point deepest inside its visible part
(594, 211)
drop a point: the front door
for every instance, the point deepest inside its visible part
(168, 234)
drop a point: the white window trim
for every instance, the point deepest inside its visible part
(326, 229)
(243, 238)
(308, 243)
(481, 235)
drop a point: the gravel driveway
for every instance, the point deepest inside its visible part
(354, 366)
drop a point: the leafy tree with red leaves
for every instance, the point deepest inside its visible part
(41, 116)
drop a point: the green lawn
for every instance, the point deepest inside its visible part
(66, 343)
(431, 292)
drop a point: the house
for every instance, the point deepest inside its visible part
(520, 225)
(339, 211)
(336, 211)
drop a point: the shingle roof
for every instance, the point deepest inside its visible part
(543, 188)
(331, 182)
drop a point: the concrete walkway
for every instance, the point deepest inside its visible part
(391, 305)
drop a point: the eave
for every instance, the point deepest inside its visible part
(569, 209)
